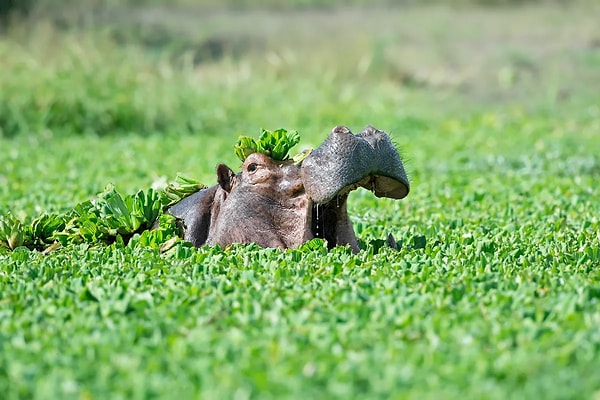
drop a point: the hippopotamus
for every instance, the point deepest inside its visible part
(285, 203)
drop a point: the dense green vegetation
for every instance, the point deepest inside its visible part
(494, 292)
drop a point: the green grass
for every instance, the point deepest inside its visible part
(494, 292)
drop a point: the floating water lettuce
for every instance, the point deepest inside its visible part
(107, 218)
(275, 144)
(181, 188)
(13, 233)
(113, 218)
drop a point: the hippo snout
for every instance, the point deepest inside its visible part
(346, 161)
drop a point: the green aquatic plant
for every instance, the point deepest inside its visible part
(275, 144)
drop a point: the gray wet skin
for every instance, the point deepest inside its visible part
(282, 204)
(344, 161)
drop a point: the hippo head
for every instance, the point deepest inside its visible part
(284, 204)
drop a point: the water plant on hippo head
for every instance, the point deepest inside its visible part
(275, 144)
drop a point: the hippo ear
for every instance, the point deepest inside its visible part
(225, 177)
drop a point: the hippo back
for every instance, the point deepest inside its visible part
(196, 211)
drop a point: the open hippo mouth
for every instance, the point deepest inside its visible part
(323, 220)
(341, 164)
(283, 204)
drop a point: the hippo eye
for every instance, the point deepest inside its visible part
(252, 167)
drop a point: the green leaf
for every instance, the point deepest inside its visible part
(148, 205)
(88, 229)
(244, 147)
(275, 144)
(181, 188)
(13, 233)
(316, 244)
(298, 158)
(46, 226)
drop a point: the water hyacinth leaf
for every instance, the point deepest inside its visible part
(82, 209)
(316, 244)
(125, 215)
(298, 158)
(114, 210)
(167, 229)
(13, 233)
(244, 147)
(148, 204)
(170, 224)
(181, 188)
(88, 230)
(46, 226)
(135, 219)
(275, 144)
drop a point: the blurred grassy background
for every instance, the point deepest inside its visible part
(212, 67)
(457, 84)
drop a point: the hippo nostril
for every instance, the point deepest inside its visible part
(341, 129)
